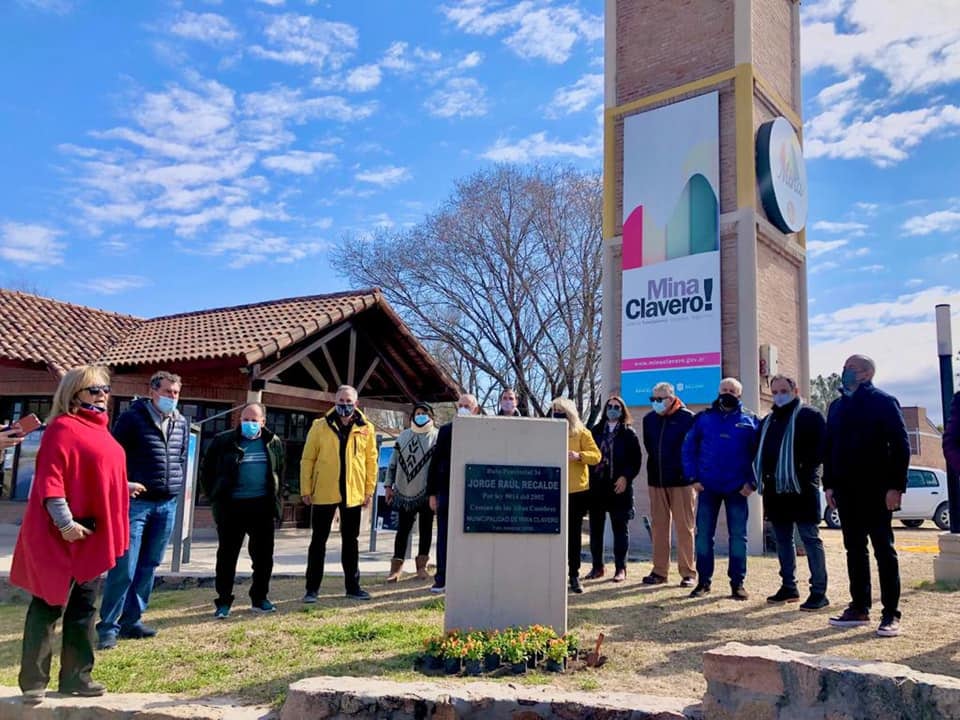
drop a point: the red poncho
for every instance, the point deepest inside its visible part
(78, 460)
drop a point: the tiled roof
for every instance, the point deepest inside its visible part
(56, 334)
(249, 333)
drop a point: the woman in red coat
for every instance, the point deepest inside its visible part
(75, 527)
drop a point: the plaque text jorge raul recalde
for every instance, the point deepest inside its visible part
(511, 499)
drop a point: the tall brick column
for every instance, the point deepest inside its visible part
(660, 52)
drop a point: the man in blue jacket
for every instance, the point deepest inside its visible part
(718, 457)
(155, 437)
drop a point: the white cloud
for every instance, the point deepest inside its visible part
(873, 268)
(274, 3)
(459, 97)
(472, 60)
(60, 7)
(385, 176)
(395, 58)
(114, 285)
(299, 161)
(936, 222)
(867, 208)
(363, 78)
(900, 335)
(914, 49)
(205, 27)
(248, 248)
(382, 221)
(816, 248)
(573, 98)
(823, 267)
(914, 282)
(883, 139)
(532, 29)
(305, 40)
(853, 228)
(538, 147)
(29, 244)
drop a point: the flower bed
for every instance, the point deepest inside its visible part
(494, 652)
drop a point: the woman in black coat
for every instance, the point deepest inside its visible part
(611, 485)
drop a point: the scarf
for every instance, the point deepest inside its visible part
(414, 450)
(786, 472)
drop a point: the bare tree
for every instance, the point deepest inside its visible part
(823, 391)
(502, 283)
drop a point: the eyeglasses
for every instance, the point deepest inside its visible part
(614, 407)
(654, 398)
(97, 389)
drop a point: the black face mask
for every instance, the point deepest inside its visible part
(728, 401)
(560, 416)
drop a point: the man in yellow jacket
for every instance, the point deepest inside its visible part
(338, 470)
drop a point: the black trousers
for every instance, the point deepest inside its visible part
(577, 508)
(858, 523)
(619, 524)
(425, 527)
(237, 519)
(322, 519)
(443, 521)
(76, 655)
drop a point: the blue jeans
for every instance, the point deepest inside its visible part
(787, 554)
(126, 591)
(708, 510)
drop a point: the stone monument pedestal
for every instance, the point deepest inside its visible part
(946, 566)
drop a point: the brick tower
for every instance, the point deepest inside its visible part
(746, 54)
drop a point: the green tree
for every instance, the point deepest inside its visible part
(823, 391)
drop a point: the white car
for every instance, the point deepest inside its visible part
(925, 499)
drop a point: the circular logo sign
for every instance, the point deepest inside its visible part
(782, 175)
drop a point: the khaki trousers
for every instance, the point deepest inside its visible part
(680, 503)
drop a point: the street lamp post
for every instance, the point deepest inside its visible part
(945, 351)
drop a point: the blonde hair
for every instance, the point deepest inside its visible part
(76, 379)
(565, 405)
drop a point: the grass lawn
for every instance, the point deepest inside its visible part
(655, 635)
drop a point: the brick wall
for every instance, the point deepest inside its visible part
(925, 442)
(778, 307)
(26, 381)
(773, 37)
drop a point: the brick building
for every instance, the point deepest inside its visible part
(926, 440)
(661, 52)
(290, 353)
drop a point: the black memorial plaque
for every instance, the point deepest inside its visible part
(512, 499)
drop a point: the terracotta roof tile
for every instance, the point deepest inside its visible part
(57, 334)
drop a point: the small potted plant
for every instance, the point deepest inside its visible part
(573, 645)
(491, 657)
(515, 654)
(452, 654)
(474, 648)
(556, 655)
(537, 639)
(433, 653)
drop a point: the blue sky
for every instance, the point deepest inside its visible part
(177, 155)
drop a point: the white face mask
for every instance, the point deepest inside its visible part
(508, 406)
(464, 411)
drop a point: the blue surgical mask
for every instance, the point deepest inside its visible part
(613, 413)
(659, 407)
(166, 405)
(849, 380)
(421, 420)
(781, 399)
(508, 406)
(464, 411)
(249, 429)
(345, 409)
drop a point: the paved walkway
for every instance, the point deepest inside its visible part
(289, 557)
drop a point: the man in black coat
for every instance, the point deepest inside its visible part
(788, 473)
(865, 465)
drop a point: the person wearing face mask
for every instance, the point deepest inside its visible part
(787, 467)
(241, 474)
(672, 497)
(718, 457)
(582, 453)
(611, 485)
(508, 403)
(865, 465)
(75, 526)
(154, 436)
(406, 488)
(438, 486)
(338, 472)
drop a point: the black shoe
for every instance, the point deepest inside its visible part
(816, 601)
(738, 592)
(137, 632)
(34, 696)
(784, 595)
(575, 586)
(358, 594)
(653, 579)
(87, 689)
(107, 643)
(700, 590)
(595, 574)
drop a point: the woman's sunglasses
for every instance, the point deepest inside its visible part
(98, 389)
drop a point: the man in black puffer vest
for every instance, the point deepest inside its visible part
(155, 438)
